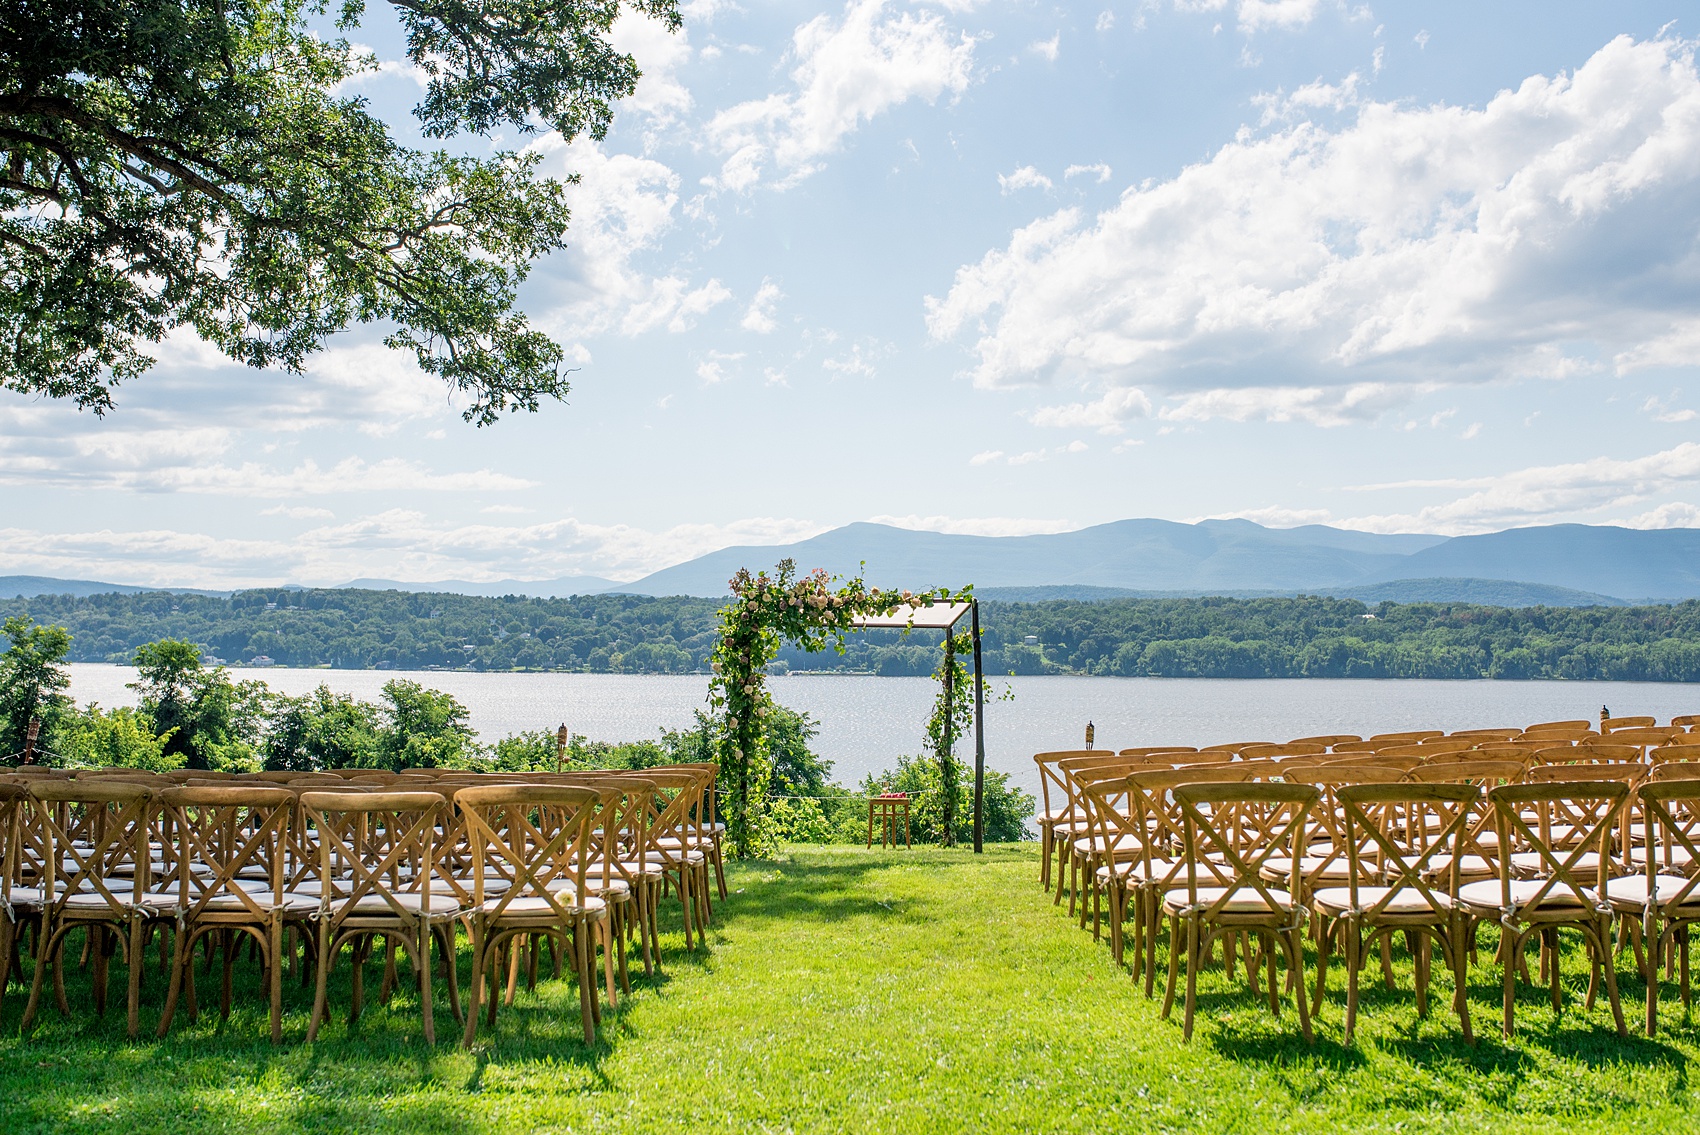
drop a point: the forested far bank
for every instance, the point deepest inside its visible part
(1305, 637)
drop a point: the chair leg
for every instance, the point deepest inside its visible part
(1193, 956)
(133, 992)
(1650, 968)
(586, 981)
(1611, 977)
(474, 991)
(1512, 943)
(1354, 949)
(1325, 936)
(1419, 973)
(1295, 959)
(1457, 957)
(179, 960)
(321, 1010)
(1174, 963)
(421, 953)
(274, 966)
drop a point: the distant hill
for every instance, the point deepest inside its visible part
(29, 586)
(1141, 555)
(539, 588)
(1484, 592)
(1565, 565)
(1638, 565)
(1578, 564)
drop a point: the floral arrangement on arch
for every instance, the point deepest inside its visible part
(765, 612)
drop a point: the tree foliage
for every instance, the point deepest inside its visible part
(171, 164)
(634, 634)
(33, 681)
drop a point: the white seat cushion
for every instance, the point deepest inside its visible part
(1245, 900)
(1407, 900)
(1486, 894)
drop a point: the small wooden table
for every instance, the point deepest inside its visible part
(887, 810)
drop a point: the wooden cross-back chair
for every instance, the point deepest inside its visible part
(1055, 812)
(87, 842)
(541, 836)
(1097, 846)
(683, 863)
(12, 797)
(1072, 841)
(1568, 892)
(376, 856)
(1662, 901)
(1230, 833)
(624, 872)
(1116, 831)
(601, 881)
(240, 834)
(1325, 860)
(710, 829)
(1401, 836)
(1155, 817)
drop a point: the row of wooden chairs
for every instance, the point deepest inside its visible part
(568, 861)
(1249, 855)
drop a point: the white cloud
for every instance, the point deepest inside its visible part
(759, 316)
(1099, 170)
(1272, 516)
(622, 206)
(985, 457)
(298, 512)
(976, 526)
(846, 73)
(712, 370)
(1413, 245)
(1256, 15)
(1030, 457)
(1106, 415)
(1675, 514)
(1027, 177)
(379, 69)
(660, 96)
(1047, 49)
(1318, 95)
(1317, 405)
(855, 363)
(396, 544)
(1662, 411)
(1106, 20)
(1545, 494)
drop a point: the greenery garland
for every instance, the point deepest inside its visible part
(764, 613)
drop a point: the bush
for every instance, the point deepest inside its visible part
(121, 738)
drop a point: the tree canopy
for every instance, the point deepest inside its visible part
(170, 164)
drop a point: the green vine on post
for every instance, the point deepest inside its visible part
(764, 613)
(953, 713)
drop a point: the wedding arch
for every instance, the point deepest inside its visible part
(808, 611)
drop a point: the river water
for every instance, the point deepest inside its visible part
(865, 722)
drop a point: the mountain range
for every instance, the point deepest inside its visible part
(1566, 565)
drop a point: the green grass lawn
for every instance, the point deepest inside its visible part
(850, 990)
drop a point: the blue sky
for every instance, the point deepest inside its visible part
(993, 269)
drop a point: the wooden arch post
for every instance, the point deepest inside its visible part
(944, 617)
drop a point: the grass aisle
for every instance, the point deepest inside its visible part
(847, 990)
